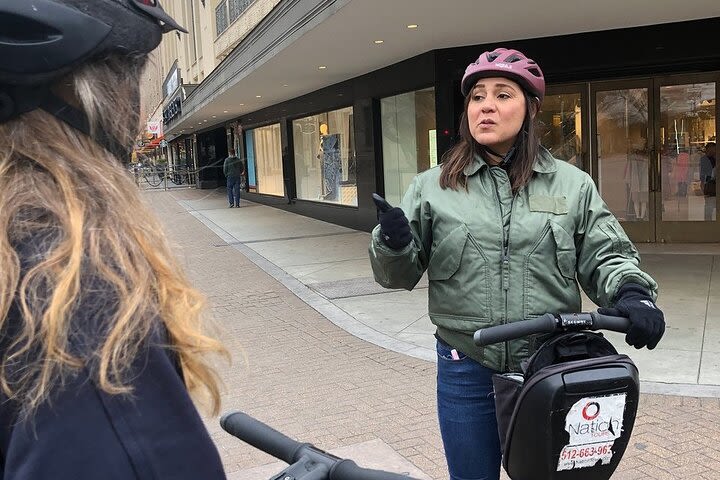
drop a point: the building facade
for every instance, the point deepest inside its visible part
(330, 101)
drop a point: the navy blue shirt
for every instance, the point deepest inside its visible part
(83, 433)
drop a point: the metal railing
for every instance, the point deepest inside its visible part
(165, 177)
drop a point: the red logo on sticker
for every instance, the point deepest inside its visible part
(591, 411)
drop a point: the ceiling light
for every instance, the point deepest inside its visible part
(412, 25)
(242, 104)
(322, 67)
(200, 123)
(225, 111)
(286, 85)
(258, 96)
(214, 116)
(378, 42)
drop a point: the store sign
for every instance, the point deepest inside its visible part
(154, 128)
(172, 110)
(172, 81)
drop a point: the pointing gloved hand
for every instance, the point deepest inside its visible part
(394, 226)
(647, 322)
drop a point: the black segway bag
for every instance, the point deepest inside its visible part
(571, 414)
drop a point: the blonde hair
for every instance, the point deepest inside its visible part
(75, 203)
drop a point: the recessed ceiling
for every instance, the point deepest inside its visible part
(345, 42)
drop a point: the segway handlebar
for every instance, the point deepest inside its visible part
(261, 436)
(550, 323)
(318, 464)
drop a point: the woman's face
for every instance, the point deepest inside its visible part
(496, 112)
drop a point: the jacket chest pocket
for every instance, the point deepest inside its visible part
(555, 246)
(564, 250)
(459, 284)
(447, 255)
(549, 273)
(553, 236)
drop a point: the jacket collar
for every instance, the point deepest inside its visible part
(545, 163)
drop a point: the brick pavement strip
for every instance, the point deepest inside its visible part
(295, 370)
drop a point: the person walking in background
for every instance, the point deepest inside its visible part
(708, 179)
(101, 338)
(505, 232)
(234, 170)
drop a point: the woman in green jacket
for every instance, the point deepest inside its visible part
(505, 232)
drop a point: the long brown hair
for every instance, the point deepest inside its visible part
(59, 185)
(461, 154)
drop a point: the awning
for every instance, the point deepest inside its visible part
(152, 145)
(305, 45)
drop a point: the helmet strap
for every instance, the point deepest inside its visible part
(16, 100)
(79, 121)
(504, 159)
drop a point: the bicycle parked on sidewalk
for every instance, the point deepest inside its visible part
(306, 462)
(179, 175)
(153, 175)
(157, 175)
(570, 413)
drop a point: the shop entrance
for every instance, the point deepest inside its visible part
(648, 143)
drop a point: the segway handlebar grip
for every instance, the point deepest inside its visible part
(608, 322)
(261, 436)
(511, 331)
(349, 470)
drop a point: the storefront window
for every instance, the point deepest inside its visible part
(180, 153)
(687, 128)
(561, 127)
(325, 166)
(264, 156)
(188, 159)
(622, 152)
(408, 136)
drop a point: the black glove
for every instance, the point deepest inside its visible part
(647, 322)
(394, 226)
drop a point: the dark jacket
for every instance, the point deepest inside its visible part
(233, 167)
(83, 433)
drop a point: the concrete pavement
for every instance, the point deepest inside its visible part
(274, 280)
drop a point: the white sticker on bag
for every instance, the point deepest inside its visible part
(594, 423)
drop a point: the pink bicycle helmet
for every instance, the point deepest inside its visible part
(508, 63)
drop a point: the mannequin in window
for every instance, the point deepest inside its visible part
(636, 181)
(331, 168)
(681, 173)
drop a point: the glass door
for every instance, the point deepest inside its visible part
(686, 132)
(654, 157)
(623, 152)
(563, 124)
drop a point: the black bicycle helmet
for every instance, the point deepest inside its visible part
(42, 40)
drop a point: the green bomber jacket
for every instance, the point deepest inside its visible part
(493, 257)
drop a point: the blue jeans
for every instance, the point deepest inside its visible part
(466, 411)
(233, 190)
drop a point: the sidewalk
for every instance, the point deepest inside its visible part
(296, 371)
(327, 266)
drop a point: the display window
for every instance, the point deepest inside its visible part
(325, 164)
